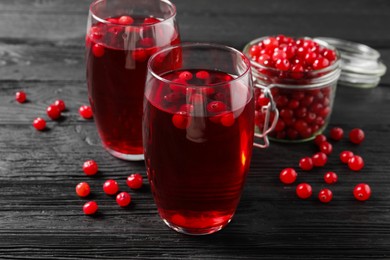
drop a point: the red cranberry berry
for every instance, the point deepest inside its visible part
(39, 123)
(216, 107)
(319, 159)
(125, 20)
(60, 104)
(181, 120)
(134, 181)
(325, 195)
(185, 75)
(306, 164)
(110, 187)
(85, 112)
(83, 189)
(355, 163)
(123, 199)
(304, 190)
(20, 96)
(53, 112)
(356, 136)
(362, 192)
(202, 74)
(330, 177)
(90, 208)
(227, 119)
(319, 139)
(336, 133)
(90, 167)
(139, 55)
(151, 20)
(326, 148)
(288, 176)
(345, 156)
(98, 50)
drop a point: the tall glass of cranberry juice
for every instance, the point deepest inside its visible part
(121, 36)
(198, 134)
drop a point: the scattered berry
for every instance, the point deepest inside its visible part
(355, 163)
(330, 177)
(345, 156)
(306, 164)
(110, 187)
(39, 124)
(20, 96)
(325, 195)
(362, 192)
(356, 135)
(336, 133)
(319, 139)
(53, 112)
(304, 190)
(288, 176)
(326, 148)
(90, 208)
(123, 199)
(134, 181)
(319, 159)
(90, 167)
(83, 189)
(85, 112)
(60, 104)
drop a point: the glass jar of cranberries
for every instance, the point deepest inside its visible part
(302, 76)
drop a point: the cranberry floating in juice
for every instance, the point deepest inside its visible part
(121, 36)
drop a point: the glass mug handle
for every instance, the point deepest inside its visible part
(270, 107)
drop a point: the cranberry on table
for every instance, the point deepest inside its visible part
(304, 190)
(325, 195)
(356, 163)
(356, 135)
(20, 96)
(90, 208)
(90, 167)
(345, 156)
(60, 104)
(39, 123)
(53, 112)
(83, 189)
(362, 192)
(110, 187)
(336, 133)
(288, 176)
(85, 112)
(330, 177)
(319, 139)
(306, 164)
(326, 148)
(319, 159)
(123, 199)
(134, 181)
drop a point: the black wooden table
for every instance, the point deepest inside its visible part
(41, 52)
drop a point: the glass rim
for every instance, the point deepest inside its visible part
(200, 44)
(102, 20)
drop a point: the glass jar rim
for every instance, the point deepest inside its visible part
(202, 45)
(102, 20)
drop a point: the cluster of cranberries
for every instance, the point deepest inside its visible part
(53, 111)
(110, 187)
(361, 191)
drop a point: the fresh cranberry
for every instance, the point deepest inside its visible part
(146, 42)
(60, 104)
(362, 192)
(330, 177)
(356, 135)
(53, 112)
(125, 20)
(319, 139)
(39, 123)
(282, 64)
(181, 120)
(320, 63)
(227, 119)
(216, 107)
(123, 199)
(329, 54)
(265, 60)
(288, 176)
(280, 125)
(326, 148)
(336, 133)
(306, 163)
(319, 159)
(345, 156)
(85, 112)
(279, 55)
(293, 104)
(134, 181)
(281, 101)
(20, 96)
(202, 74)
(139, 55)
(185, 75)
(90, 208)
(355, 163)
(301, 126)
(304, 190)
(110, 187)
(325, 195)
(90, 167)
(286, 113)
(83, 189)
(254, 51)
(151, 20)
(262, 100)
(98, 50)
(297, 71)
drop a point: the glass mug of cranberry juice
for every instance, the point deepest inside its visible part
(121, 36)
(198, 131)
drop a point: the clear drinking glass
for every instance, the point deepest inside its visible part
(121, 36)
(198, 132)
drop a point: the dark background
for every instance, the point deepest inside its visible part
(41, 52)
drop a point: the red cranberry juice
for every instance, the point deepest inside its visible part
(116, 70)
(198, 147)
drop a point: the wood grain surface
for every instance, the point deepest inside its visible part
(41, 52)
